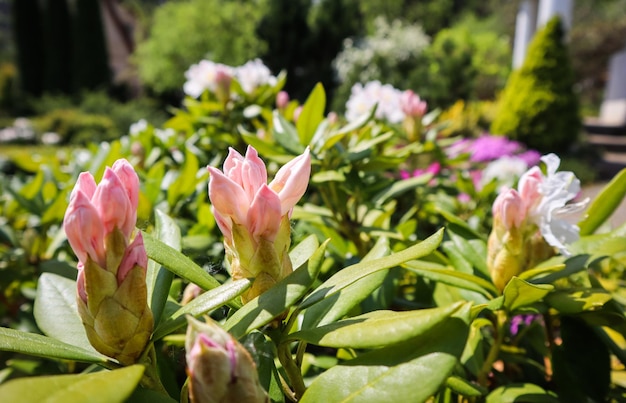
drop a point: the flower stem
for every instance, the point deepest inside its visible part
(151, 379)
(291, 369)
(492, 356)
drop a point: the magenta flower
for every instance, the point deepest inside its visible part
(99, 224)
(254, 215)
(488, 148)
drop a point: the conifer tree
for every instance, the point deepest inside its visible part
(538, 105)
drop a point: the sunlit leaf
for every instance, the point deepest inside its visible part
(311, 115)
(104, 386)
(604, 204)
(519, 293)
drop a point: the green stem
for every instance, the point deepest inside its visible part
(151, 378)
(291, 369)
(494, 351)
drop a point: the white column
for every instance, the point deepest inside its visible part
(525, 25)
(550, 8)
(616, 86)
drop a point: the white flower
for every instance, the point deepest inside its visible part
(557, 189)
(505, 170)
(204, 76)
(363, 98)
(138, 127)
(254, 74)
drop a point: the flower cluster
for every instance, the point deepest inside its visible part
(111, 284)
(217, 77)
(254, 215)
(387, 99)
(529, 221)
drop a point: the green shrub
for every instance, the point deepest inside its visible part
(8, 87)
(538, 105)
(185, 32)
(76, 127)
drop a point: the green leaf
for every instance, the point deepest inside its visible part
(519, 293)
(311, 115)
(400, 187)
(521, 392)
(185, 183)
(104, 386)
(335, 307)
(286, 135)
(178, 263)
(159, 279)
(376, 329)
(272, 303)
(353, 273)
(43, 346)
(454, 278)
(604, 204)
(56, 312)
(411, 371)
(576, 301)
(303, 251)
(202, 304)
(464, 387)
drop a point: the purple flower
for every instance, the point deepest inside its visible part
(530, 157)
(488, 148)
(519, 320)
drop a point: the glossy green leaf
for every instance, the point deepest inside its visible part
(275, 301)
(337, 306)
(159, 279)
(185, 183)
(56, 312)
(178, 263)
(286, 134)
(303, 251)
(353, 273)
(311, 115)
(604, 204)
(521, 392)
(464, 388)
(376, 329)
(519, 293)
(43, 346)
(473, 250)
(202, 304)
(103, 386)
(451, 277)
(400, 187)
(576, 301)
(411, 371)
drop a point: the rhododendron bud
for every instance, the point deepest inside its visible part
(412, 105)
(254, 215)
(220, 369)
(111, 282)
(282, 99)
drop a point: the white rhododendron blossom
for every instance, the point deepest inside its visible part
(253, 75)
(556, 189)
(505, 170)
(204, 76)
(364, 97)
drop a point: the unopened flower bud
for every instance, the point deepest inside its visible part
(111, 283)
(282, 99)
(220, 369)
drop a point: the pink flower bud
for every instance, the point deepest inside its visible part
(84, 229)
(135, 255)
(412, 105)
(291, 181)
(130, 181)
(529, 187)
(282, 99)
(113, 204)
(296, 113)
(264, 215)
(509, 209)
(85, 184)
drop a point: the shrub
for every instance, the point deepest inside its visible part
(184, 33)
(76, 127)
(538, 105)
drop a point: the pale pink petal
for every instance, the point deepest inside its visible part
(86, 184)
(227, 197)
(264, 215)
(112, 202)
(253, 173)
(509, 209)
(231, 160)
(127, 175)
(84, 229)
(80, 283)
(529, 188)
(225, 224)
(292, 180)
(135, 255)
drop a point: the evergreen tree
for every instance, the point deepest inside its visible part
(91, 63)
(58, 47)
(538, 105)
(28, 38)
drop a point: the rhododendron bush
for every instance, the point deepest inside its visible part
(256, 249)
